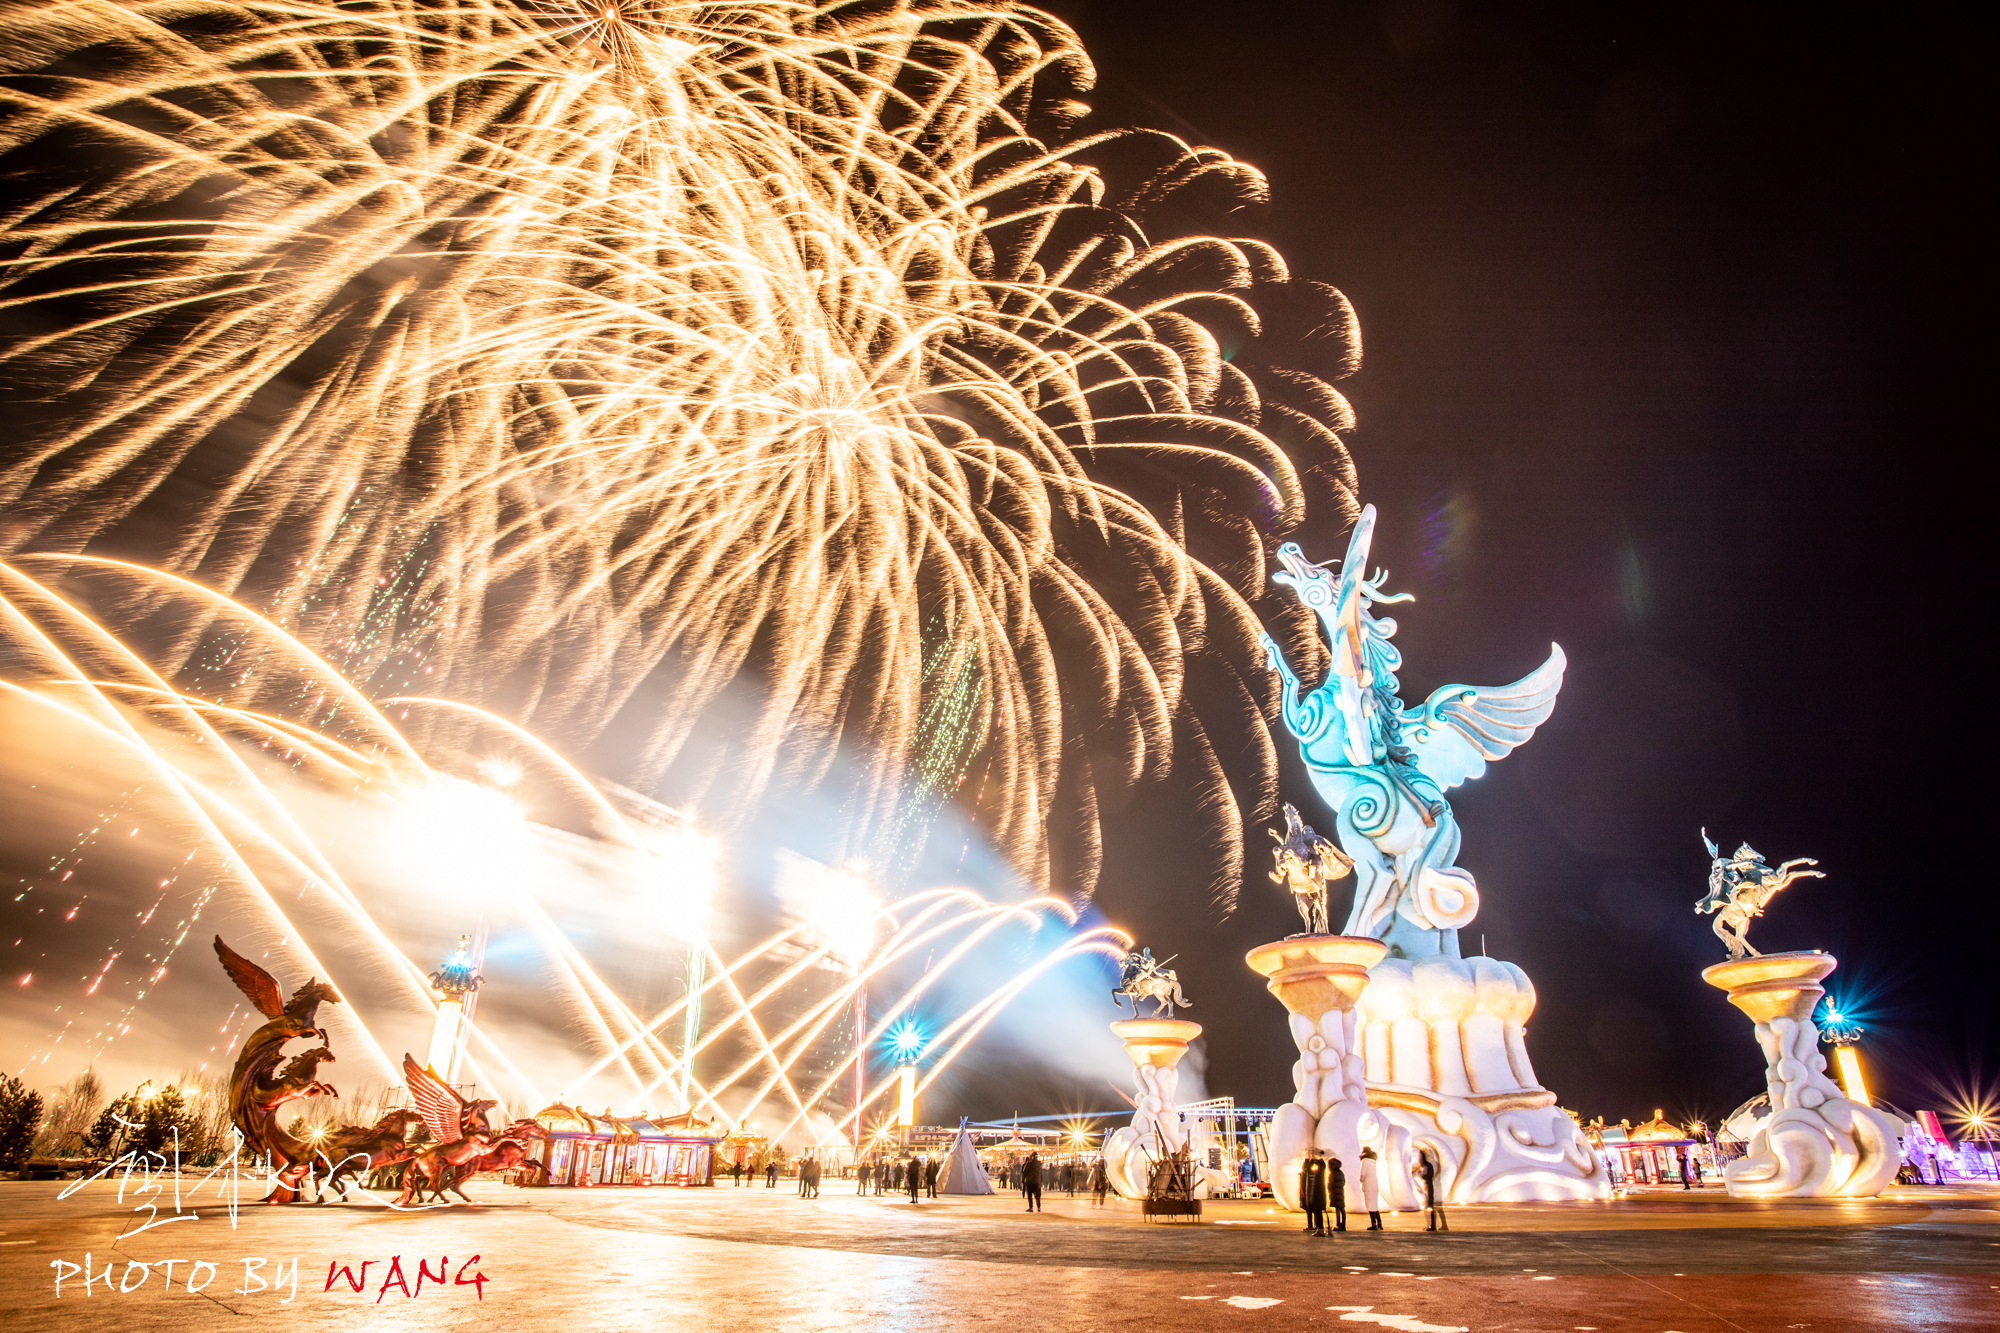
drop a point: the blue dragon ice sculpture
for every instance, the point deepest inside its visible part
(1384, 769)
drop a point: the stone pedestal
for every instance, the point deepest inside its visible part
(1318, 978)
(1444, 1046)
(1816, 1142)
(1156, 1046)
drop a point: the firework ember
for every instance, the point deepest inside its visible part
(604, 362)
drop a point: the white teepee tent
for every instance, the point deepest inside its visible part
(962, 1172)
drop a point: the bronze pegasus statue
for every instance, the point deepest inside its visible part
(258, 1086)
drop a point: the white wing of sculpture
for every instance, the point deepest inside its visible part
(1460, 727)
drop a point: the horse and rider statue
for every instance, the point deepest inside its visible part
(1740, 887)
(1144, 977)
(1307, 863)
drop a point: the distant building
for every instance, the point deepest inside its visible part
(588, 1150)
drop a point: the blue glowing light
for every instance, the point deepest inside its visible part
(906, 1041)
(1837, 1021)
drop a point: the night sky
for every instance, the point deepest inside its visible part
(1670, 317)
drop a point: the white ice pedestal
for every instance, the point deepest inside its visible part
(1317, 978)
(1156, 1046)
(1816, 1143)
(1443, 1047)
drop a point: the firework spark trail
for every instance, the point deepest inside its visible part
(1103, 941)
(835, 1004)
(587, 357)
(57, 660)
(725, 972)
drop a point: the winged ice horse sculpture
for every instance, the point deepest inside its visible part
(1383, 768)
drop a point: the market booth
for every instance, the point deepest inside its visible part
(1647, 1154)
(588, 1150)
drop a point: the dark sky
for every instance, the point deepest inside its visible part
(1670, 317)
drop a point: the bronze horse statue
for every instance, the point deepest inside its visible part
(428, 1165)
(506, 1152)
(355, 1150)
(459, 1127)
(258, 1087)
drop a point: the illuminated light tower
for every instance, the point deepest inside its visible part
(455, 980)
(1842, 1033)
(906, 1043)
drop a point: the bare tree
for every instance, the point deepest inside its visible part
(72, 1108)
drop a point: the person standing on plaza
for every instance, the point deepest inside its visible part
(1427, 1172)
(1371, 1189)
(1100, 1181)
(1687, 1168)
(861, 1174)
(771, 1174)
(1312, 1192)
(1336, 1192)
(913, 1172)
(1031, 1182)
(932, 1169)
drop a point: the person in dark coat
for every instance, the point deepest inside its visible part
(1427, 1172)
(771, 1174)
(861, 1176)
(1336, 1192)
(1031, 1182)
(1100, 1180)
(1312, 1192)
(914, 1174)
(931, 1171)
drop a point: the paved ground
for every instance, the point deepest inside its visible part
(756, 1259)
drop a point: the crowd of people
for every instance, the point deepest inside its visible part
(916, 1176)
(1323, 1185)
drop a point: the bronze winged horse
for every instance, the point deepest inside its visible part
(507, 1152)
(258, 1087)
(460, 1128)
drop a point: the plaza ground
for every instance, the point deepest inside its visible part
(580, 1261)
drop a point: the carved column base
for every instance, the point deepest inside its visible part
(1156, 1046)
(1816, 1143)
(1512, 1148)
(1318, 978)
(1448, 1074)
